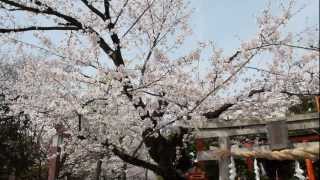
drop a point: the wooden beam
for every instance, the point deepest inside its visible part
(219, 128)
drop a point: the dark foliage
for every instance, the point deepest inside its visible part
(19, 150)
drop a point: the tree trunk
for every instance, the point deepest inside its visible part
(98, 169)
(123, 173)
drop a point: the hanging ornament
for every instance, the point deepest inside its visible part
(263, 171)
(298, 171)
(256, 169)
(232, 169)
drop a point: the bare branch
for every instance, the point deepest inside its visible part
(154, 44)
(223, 83)
(138, 19)
(121, 11)
(166, 99)
(263, 70)
(38, 47)
(266, 44)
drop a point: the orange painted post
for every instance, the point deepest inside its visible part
(198, 173)
(54, 152)
(310, 169)
(197, 176)
(200, 146)
(309, 165)
(249, 161)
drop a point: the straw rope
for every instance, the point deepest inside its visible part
(307, 152)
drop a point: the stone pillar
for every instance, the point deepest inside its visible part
(224, 161)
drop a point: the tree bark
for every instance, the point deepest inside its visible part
(98, 169)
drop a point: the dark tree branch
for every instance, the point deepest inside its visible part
(133, 160)
(233, 56)
(137, 162)
(166, 99)
(298, 94)
(154, 44)
(48, 11)
(218, 112)
(94, 10)
(115, 55)
(299, 47)
(92, 101)
(107, 9)
(223, 83)
(256, 91)
(267, 44)
(263, 70)
(226, 106)
(121, 11)
(39, 28)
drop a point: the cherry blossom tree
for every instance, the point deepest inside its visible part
(105, 70)
(21, 149)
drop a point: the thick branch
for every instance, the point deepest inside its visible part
(107, 9)
(256, 91)
(218, 112)
(223, 83)
(39, 28)
(94, 10)
(114, 55)
(298, 94)
(137, 162)
(226, 106)
(48, 11)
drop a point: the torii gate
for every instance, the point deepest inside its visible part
(277, 130)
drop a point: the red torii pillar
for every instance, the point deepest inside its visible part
(309, 164)
(53, 162)
(54, 152)
(198, 173)
(249, 161)
(200, 146)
